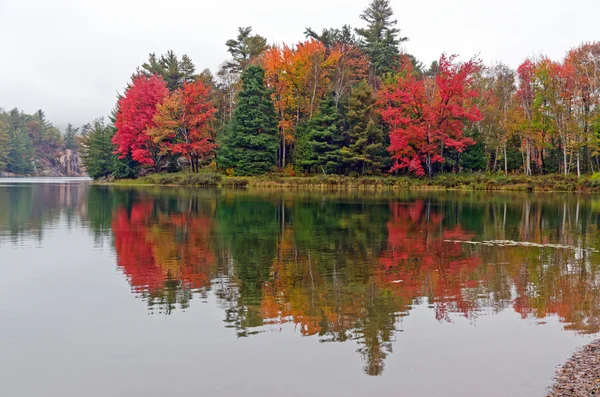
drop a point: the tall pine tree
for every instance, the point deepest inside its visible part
(321, 141)
(365, 152)
(4, 148)
(70, 137)
(251, 146)
(98, 148)
(21, 152)
(381, 39)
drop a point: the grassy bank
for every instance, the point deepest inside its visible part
(547, 183)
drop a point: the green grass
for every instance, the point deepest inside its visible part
(466, 181)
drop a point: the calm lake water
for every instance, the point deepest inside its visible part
(179, 292)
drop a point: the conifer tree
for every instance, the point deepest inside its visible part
(70, 137)
(244, 48)
(21, 152)
(251, 146)
(381, 39)
(321, 141)
(366, 151)
(4, 148)
(98, 156)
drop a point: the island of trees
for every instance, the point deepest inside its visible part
(349, 101)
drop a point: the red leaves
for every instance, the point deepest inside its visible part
(152, 123)
(191, 123)
(426, 116)
(135, 116)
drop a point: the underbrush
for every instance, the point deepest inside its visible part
(466, 181)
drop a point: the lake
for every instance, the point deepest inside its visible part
(112, 291)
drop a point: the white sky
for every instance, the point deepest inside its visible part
(71, 57)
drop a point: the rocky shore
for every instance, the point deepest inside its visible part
(580, 376)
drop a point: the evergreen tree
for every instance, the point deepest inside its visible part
(321, 141)
(4, 145)
(243, 48)
(251, 146)
(381, 39)
(188, 70)
(98, 157)
(473, 157)
(21, 152)
(366, 151)
(70, 137)
(175, 72)
(332, 36)
(42, 117)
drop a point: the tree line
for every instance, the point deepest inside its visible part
(29, 142)
(350, 101)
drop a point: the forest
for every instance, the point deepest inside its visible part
(345, 101)
(31, 145)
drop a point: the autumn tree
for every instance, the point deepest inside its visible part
(380, 38)
(135, 116)
(584, 61)
(183, 123)
(251, 146)
(351, 63)
(426, 117)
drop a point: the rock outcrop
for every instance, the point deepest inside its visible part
(68, 163)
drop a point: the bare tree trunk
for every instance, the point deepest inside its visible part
(565, 158)
(505, 160)
(283, 156)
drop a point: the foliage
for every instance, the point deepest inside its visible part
(135, 116)
(183, 124)
(427, 116)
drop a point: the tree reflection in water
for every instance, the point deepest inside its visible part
(346, 268)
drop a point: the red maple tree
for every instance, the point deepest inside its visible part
(135, 116)
(184, 123)
(428, 115)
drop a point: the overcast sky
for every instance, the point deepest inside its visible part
(71, 57)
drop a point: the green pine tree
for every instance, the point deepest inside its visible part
(381, 39)
(473, 157)
(366, 152)
(321, 141)
(4, 145)
(21, 152)
(171, 69)
(243, 48)
(251, 146)
(98, 150)
(70, 137)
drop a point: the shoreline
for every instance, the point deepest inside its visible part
(461, 182)
(580, 375)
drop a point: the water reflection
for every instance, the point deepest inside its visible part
(339, 267)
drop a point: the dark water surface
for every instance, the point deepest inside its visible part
(174, 292)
